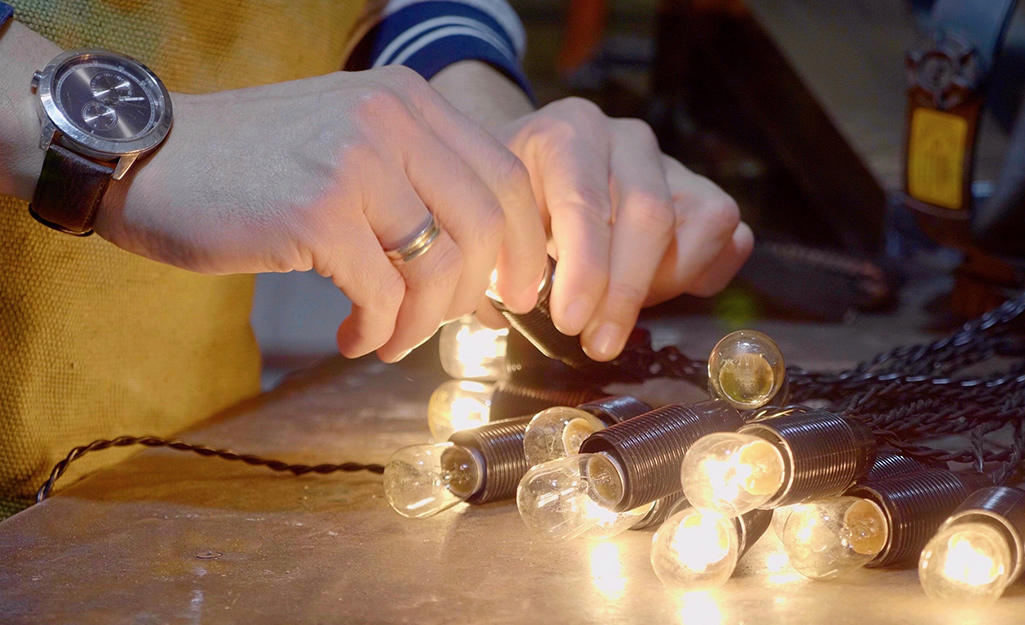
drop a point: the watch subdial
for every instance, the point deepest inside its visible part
(99, 116)
(110, 88)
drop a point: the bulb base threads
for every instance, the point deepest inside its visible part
(511, 400)
(651, 447)
(1003, 508)
(615, 409)
(499, 447)
(915, 506)
(823, 453)
(889, 463)
(660, 511)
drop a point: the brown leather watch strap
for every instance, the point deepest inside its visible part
(69, 191)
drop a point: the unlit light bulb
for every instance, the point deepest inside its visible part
(746, 368)
(566, 498)
(966, 563)
(695, 549)
(471, 351)
(557, 433)
(422, 480)
(825, 538)
(458, 405)
(731, 473)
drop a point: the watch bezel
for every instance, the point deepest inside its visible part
(84, 141)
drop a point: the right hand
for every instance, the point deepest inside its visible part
(324, 174)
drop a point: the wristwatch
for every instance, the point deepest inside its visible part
(100, 111)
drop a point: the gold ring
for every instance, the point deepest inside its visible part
(417, 244)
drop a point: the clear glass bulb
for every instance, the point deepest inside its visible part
(422, 480)
(566, 498)
(746, 368)
(731, 473)
(458, 405)
(779, 519)
(472, 351)
(557, 433)
(966, 563)
(695, 550)
(825, 538)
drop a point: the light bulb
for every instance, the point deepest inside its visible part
(966, 562)
(557, 433)
(458, 405)
(731, 473)
(695, 549)
(472, 351)
(422, 480)
(779, 519)
(566, 498)
(746, 368)
(825, 538)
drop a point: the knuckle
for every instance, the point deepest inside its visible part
(403, 78)
(491, 224)
(577, 106)
(515, 173)
(593, 204)
(721, 214)
(556, 130)
(651, 213)
(446, 264)
(624, 299)
(387, 293)
(641, 131)
(379, 104)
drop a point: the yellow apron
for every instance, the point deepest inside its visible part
(96, 342)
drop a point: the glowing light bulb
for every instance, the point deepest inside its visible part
(471, 351)
(458, 405)
(731, 473)
(422, 480)
(557, 433)
(825, 538)
(746, 368)
(967, 562)
(779, 519)
(695, 549)
(567, 498)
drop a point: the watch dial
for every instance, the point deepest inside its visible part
(107, 98)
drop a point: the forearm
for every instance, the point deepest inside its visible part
(21, 52)
(482, 93)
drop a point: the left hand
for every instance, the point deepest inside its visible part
(630, 226)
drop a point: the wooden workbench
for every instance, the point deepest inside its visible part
(169, 537)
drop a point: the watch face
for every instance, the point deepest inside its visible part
(105, 103)
(107, 98)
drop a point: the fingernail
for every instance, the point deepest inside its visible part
(400, 356)
(606, 341)
(575, 316)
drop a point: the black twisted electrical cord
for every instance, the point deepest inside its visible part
(202, 450)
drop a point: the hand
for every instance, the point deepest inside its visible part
(630, 226)
(324, 174)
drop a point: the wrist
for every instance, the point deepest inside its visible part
(22, 52)
(482, 93)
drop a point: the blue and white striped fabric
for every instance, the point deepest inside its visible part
(429, 35)
(6, 13)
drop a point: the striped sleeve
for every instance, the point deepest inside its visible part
(6, 13)
(429, 35)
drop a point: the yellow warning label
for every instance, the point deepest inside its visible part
(936, 157)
